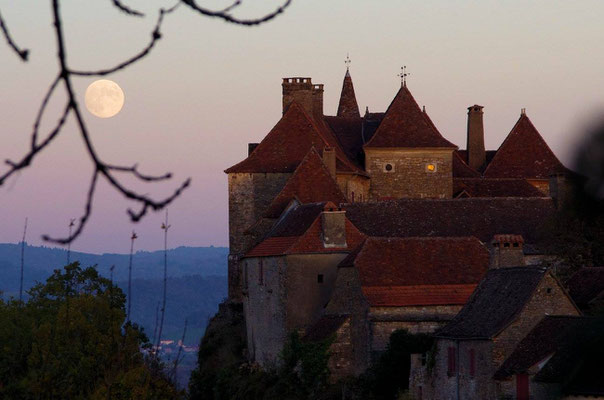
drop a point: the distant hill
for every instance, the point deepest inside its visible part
(197, 281)
(41, 261)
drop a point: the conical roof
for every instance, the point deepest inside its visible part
(310, 183)
(405, 125)
(348, 106)
(524, 154)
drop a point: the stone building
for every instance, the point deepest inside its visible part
(507, 304)
(355, 225)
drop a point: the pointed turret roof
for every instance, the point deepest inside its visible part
(348, 106)
(310, 183)
(289, 141)
(406, 125)
(524, 154)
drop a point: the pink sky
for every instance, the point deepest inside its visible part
(209, 88)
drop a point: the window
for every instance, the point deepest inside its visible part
(320, 278)
(424, 358)
(430, 167)
(549, 290)
(472, 361)
(451, 361)
(388, 167)
(352, 196)
(261, 273)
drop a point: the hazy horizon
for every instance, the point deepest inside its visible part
(209, 88)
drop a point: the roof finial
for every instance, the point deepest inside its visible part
(404, 74)
(347, 62)
(523, 111)
(424, 108)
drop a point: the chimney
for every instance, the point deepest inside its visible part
(251, 147)
(302, 91)
(329, 159)
(506, 251)
(475, 144)
(317, 99)
(334, 228)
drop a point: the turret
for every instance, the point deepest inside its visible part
(304, 92)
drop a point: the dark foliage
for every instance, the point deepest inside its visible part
(69, 342)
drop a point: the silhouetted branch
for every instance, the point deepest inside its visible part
(22, 260)
(178, 359)
(126, 9)
(64, 77)
(22, 53)
(234, 20)
(155, 36)
(164, 226)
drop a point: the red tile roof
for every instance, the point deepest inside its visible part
(310, 183)
(421, 261)
(419, 295)
(405, 125)
(349, 132)
(289, 141)
(461, 169)
(299, 232)
(494, 187)
(348, 106)
(524, 154)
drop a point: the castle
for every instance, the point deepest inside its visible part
(356, 226)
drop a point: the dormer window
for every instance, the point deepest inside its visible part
(430, 167)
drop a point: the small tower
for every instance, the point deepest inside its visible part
(348, 106)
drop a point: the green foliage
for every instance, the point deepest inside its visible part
(68, 342)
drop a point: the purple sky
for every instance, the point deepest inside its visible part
(209, 88)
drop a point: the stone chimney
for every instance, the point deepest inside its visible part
(251, 147)
(333, 222)
(506, 251)
(329, 159)
(475, 142)
(305, 93)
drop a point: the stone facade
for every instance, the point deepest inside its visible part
(355, 187)
(409, 173)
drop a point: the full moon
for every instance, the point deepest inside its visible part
(104, 98)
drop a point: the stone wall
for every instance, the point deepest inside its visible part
(415, 319)
(409, 173)
(548, 299)
(250, 194)
(355, 187)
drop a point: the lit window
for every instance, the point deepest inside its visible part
(430, 167)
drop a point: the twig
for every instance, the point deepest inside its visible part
(165, 226)
(127, 10)
(229, 18)
(22, 260)
(22, 53)
(132, 238)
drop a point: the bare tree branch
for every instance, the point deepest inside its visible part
(126, 9)
(22, 53)
(155, 36)
(34, 135)
(234, 20)
(235, 4)
(134, 171)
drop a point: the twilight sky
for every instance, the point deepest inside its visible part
(209, 88)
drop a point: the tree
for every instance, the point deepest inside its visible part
(65, 77)
(69, 341)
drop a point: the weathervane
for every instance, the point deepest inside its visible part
(347, 62)
(404, 74)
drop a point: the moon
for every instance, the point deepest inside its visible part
(104, 98)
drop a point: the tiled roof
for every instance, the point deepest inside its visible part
(463, 154)
(586, 285)
(419, 295)
(348, 106)
(419, 271)
(479, 217)
(496, 302)
(348, 131)
(461, 169)
(300, 232)
(545, 339)
(405, 125)
(325, 327)
(310, 183)
(494, 187)
(524, 154)
(288, 143)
